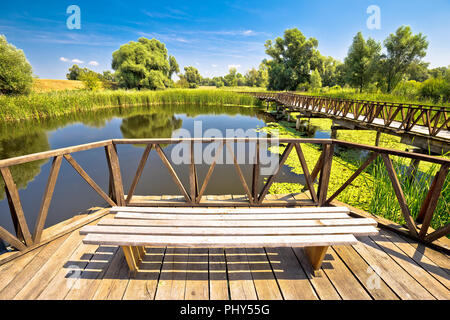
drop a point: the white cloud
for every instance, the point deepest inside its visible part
(236, 66)
(93, 63)
(63, 59)
(77, 61)
(214, 65)
(248, 32)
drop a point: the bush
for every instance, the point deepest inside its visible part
(16, 75)
(91, 81)
(446, 92)
(410, 89)
(303, 87)
(316, 80)
(434, 89)
(336, 88)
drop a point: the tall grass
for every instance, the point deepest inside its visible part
(415, 187)
(45, 105)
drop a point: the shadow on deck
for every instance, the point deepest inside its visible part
(386, 266)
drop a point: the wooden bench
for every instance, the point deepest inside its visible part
(314, 229)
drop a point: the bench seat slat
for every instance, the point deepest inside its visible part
(118, 230)
(229, 210)
(279, 216)
(220, 241)
(238, 223)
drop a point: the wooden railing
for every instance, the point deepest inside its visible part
(193, 196)
(434, 119)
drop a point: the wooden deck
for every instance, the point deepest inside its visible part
(387, 266)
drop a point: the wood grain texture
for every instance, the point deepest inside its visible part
(15, 207)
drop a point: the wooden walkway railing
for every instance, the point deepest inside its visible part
(433, 119)
(193, 195)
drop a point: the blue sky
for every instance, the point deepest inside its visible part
(211, 36)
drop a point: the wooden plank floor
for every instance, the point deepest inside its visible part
(386, 266)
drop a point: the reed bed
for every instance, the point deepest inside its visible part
(53, 104)
(415, 187)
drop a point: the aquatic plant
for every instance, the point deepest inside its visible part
(45, 105)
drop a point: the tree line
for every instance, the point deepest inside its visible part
(146, 64)
(295, 64)
(394, 66)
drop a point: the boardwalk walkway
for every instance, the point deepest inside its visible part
(395, 125)
(426, 127)
(387, 266)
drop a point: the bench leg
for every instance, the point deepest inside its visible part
(131, 258)
(316, 255)
(138, 255)
(142, 252)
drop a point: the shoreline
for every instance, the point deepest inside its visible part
(38, 106)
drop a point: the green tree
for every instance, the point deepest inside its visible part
(403, 48)
(192, 76)
(108, 76)
(142, 64)
(447, 75)
(257, 77)
(418, 71)
(16, 74)
(251, 77)
(220, 83)
(438, 72)
(316, 80)
(434, 89)
(330, 72)
(182, 82)
(361, 61)
(293, 59)
(173, 65)
(74, 73)
(231, 78)
(91, 80)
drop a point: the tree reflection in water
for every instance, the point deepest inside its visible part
(156, 125)
(22, 145)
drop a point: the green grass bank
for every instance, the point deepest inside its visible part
(54, 104)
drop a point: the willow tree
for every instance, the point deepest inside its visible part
(361, 62)
(16, 75)
(143, 64)
(192, 76)
(402, 50)
(293, 59)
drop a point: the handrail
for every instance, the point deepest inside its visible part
(435, 119)
(193, 195)
(399, 104)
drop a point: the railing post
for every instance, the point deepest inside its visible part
(116, 185)
(325, 172)
(430, 203)
(256, 168)
(193, 179)
(15, 207)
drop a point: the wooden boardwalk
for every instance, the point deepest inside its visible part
(426, 127)
(387, 266)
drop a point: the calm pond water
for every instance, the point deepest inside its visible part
(73, 195)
